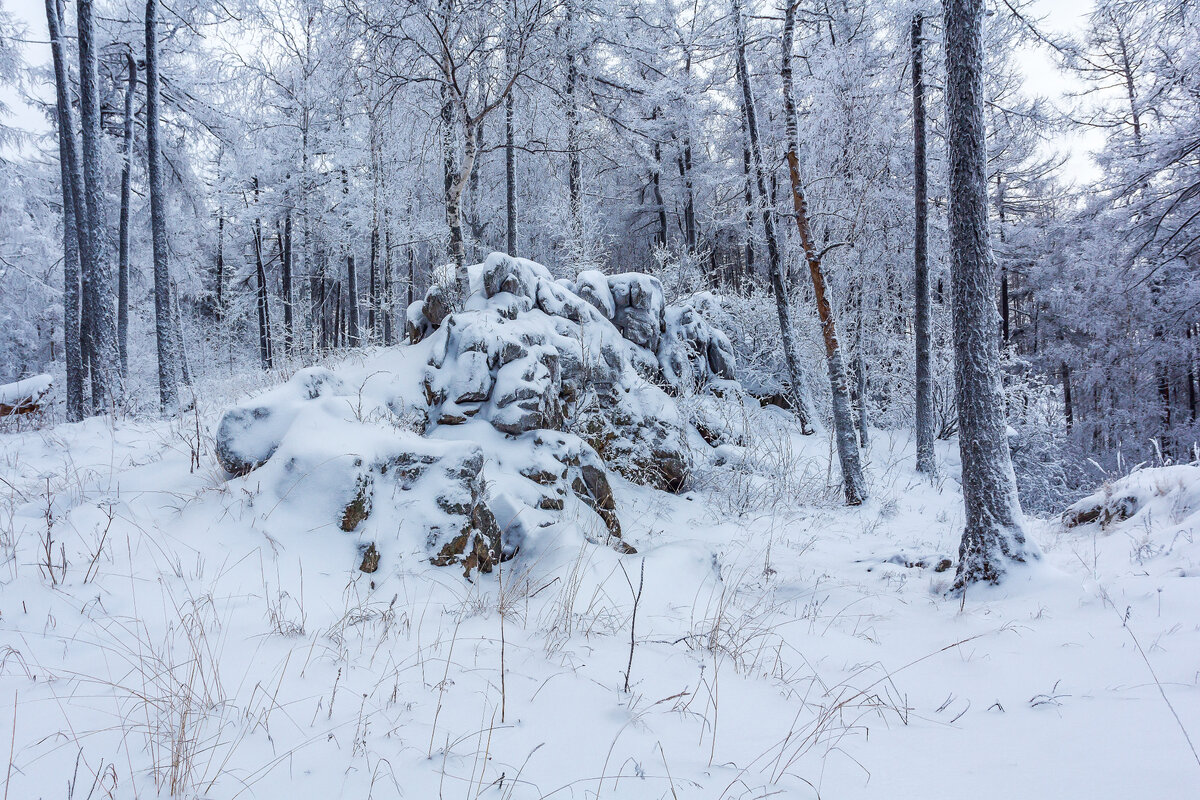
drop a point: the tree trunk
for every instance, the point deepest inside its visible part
(123, 249)
(510, 175)
(177, 329)
(574, 165)
(926, 461)
(352, 330)
(839, 382)
(389, 283)
(799, 375)
(994, 536)
(99, 289)
(220, 263)
(261, 298)
(286, 277)
(1068, 411)
(168, 355)
(73, 218)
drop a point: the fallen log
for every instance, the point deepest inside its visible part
(25, 396)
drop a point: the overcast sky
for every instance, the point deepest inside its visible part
(1059, 16)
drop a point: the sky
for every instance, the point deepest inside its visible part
(1058, 16)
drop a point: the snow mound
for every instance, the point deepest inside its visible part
(1157, 509)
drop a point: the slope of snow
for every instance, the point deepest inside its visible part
(193, 635)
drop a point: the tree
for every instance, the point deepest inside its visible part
(123, 235)
(168, 355)
(74, 216)
(853, 483)
(99, 300)
(922, 321)
(994, 537)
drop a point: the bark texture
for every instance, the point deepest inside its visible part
(994, 537)
(926, 463)
(123, 235)
(168, 354)
(99, 289)
(73, 215)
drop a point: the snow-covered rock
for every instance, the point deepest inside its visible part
(249, 433)
(530, 394)
(591, 356)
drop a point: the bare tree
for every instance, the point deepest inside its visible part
(994, 536)
(926, 462)
(99, 291)
(853, 483)
(168, 354)
(123, 234)
(73, 216)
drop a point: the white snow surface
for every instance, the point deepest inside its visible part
(216, 634)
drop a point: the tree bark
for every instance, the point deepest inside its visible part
(574, 165)
(261, 298)
(286, 279)
(926, 460)
(994, 536)
(510, 175)
(799, 375)
(168, 355)
(73, 218)
(123, 248)
(99, 289)
(352, 330)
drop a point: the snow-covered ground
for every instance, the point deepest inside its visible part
(164, 630)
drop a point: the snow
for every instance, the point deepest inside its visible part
(222, 625)
(26, 390)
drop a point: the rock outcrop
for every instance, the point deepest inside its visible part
(532, 393)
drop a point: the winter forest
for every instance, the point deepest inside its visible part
(462, 398)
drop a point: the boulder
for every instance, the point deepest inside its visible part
(249, 433)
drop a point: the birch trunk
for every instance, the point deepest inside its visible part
(994, 536)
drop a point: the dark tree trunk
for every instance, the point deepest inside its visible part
(926, 461)
(1068, 411)
(510, 175)
(749, 197)
(261, 299)
(373, 283)
(123, 248)
(286, 278)
(389, 283)
(220, 263)
(99, 288)
(994, 535)
(574, 164)
(168, 355)
(73, 218)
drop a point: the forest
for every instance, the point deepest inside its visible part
(769, 309)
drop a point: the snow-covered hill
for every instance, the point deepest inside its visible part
(166, 630)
